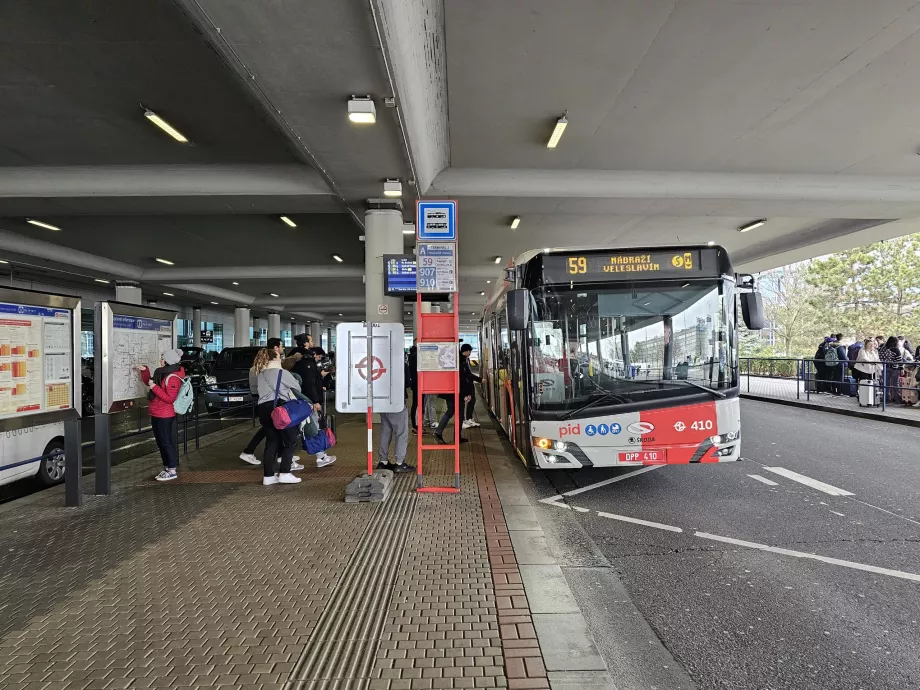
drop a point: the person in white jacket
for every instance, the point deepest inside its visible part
(867, 365)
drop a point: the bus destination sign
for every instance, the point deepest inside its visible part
(636, 265)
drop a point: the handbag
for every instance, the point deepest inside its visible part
(310, 427)
(315, 444)
(289, 413)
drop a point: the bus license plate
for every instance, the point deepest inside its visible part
(650, 456)
(235, 398)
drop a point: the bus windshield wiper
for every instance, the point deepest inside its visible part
(596, 401)
(718, 394)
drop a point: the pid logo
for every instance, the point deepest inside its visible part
(570, 430)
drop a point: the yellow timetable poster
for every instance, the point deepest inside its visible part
(36, 359)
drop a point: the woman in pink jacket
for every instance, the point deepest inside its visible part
(165, 384)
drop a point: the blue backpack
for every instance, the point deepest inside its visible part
(183, 402)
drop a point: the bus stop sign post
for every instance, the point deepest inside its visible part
(437, 340)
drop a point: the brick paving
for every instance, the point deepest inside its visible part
(216, 581)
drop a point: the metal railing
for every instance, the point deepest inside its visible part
(806, 378)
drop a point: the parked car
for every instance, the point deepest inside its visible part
(194, 363)
(230, 374)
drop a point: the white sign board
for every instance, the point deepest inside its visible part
(386, 367)
(436, 220)
(437, 267)
(437, 356)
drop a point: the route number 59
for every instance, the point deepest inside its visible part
(578, 265)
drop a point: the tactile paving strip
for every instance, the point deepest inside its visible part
(344, 643)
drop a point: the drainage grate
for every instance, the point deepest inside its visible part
(342, 647)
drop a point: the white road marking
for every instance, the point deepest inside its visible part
(815, 557)
(836, 513)
(763, 480)
(808, 481)
(553, 500)
(637, 521)
(887, 511)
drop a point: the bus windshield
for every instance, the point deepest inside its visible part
(631, 343)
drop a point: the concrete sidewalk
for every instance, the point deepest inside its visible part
(216, 581)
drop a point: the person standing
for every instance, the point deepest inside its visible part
(853, 355)
(890, 355)
(468, 386)
(318, 388)
(394, 426)
(867, 365)
(412, 384)
(165, 384)
(820, 367)
(277, 386)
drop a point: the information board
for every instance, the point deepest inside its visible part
(633, 265)
(437, 267)
(128, 336)
(399, 274)
(36, 359)
(437, 356)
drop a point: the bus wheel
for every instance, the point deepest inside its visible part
(51, 468)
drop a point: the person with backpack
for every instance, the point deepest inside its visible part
(853, 355)
(165, 384)
(277, 386)
(820, 368)
(835, 356)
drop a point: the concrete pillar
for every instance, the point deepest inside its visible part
(196, 326)
(382, 235)
(316, 330)
(274, 325)
(329, 332)
(128, 292)
(259, 325)
(241, 323)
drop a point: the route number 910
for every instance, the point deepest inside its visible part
(578, 265)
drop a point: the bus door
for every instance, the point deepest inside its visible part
(519, 396)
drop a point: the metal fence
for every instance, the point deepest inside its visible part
(894, 386)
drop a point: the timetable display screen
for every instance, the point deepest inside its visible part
(632, 265)
(399, 274)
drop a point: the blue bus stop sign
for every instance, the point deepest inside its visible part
(436, 221)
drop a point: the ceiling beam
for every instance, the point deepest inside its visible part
(336, 272)
(625, 184)
(160, 180)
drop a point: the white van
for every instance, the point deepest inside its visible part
(23, 451)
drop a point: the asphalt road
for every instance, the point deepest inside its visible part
(735, 616)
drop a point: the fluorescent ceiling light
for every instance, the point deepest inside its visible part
(213, 302)
(392, 188)
(751, 226)
(554, 138)
(473, 313)
(408, 232)
(47, 226)
(169, 294)
(235, 283)
(498, 259)
(288, 221)
(98, 280)
(685, 285)
(164, 261)
(337, 258)
(488, 281)
(4, 261)
(272, 294)
(339, 314)
(711, 243)
(515, 222)
(362, 110)
(482, 293)
(165, 126)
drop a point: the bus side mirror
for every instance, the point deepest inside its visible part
(518, 309)
(752, 310)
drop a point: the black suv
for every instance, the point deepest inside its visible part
(230, 374)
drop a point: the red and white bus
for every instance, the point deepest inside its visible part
(604, 358)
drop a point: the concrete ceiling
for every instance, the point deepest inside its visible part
(687, 119)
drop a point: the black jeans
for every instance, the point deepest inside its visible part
(447, 416)
(413, 415)
(278, 442)
(164, 431)
(468, 408)
(257, 438)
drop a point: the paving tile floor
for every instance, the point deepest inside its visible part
(217, 581)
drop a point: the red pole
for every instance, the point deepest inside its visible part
(419, 404)
(458, 415)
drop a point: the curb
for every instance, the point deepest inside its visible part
(834, 410)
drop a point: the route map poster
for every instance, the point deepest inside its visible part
(136, 342)
(437, 356)
(36, 359)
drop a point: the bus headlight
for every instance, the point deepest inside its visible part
(560, 445)
(724, 438)
(550, 444)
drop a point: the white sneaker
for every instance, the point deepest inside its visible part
(325, 460)
(250, 458)
(473, 422)
(434, 425)
(268, 481)
(296, 466)
(166, 475)
(467, 423)
(295, 459)
(288, 478)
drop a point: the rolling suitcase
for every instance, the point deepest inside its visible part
(868, 394)
(326, 420)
